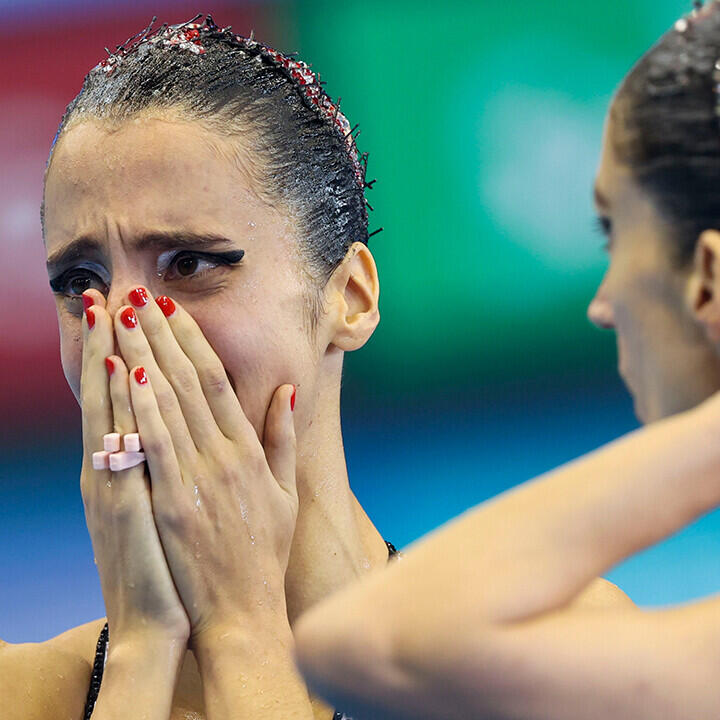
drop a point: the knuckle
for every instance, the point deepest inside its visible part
(166, 399)
(215, 379)
(159, 446)
(185, 380)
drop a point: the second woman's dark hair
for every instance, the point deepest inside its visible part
(668, 127)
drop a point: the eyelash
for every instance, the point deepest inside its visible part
(604, 227)
(60, 284)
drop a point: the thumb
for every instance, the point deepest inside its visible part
(279, 438)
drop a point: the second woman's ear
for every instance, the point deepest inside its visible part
(351, 299)
(704, 284)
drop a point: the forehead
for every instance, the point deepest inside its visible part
(614, 185)
(151, 174)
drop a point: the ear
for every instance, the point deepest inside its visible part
(351, 299)
(704, 284)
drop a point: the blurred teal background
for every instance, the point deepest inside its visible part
(483, 121)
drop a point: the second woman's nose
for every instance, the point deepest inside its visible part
(600, 312)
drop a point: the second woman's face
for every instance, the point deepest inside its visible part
(663, 354)
(164, 204)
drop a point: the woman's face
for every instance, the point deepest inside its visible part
(152, 203)
(664, 356)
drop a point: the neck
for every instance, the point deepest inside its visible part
(335, 542)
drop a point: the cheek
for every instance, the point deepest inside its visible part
(259, 353)
(71, 354)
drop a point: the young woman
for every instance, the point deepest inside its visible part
(480, 619)
(206, 234)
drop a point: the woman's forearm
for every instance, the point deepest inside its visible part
(462, 592)
(248, 671)
(139, 679)
(533, 549)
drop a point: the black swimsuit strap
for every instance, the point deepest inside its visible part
(101, 656)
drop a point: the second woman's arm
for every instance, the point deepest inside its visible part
(480, 617)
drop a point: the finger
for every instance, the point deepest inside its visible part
(123, 415)
(214, 381)
(279, 438)
(166, 478)
(93, 297)
(136, 352)
(129, 483)
(98, 343)
(158, 342)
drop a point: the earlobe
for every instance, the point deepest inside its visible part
(704, 284)
(355, 289)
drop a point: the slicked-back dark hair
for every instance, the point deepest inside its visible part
(670, 130)
(301, 159)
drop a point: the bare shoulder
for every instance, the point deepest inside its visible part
(601, 593)
(47, 680)
(80, 641)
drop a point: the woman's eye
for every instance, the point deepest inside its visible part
(193, 265)
(74, 283)
(186, 265)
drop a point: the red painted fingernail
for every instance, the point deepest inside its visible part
(166, 305)
(292, 399)
(129, 318)
(87, 301)
(90, 315)
(110, 365)
(140, 376)
(138, 297)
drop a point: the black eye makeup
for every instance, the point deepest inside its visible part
(178, 267)
(76, 280)
(190, 265)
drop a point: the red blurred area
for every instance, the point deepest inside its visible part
(45, 58)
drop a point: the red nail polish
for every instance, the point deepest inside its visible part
(110, 365)
(138, 297)
(140, 376)
(292, 399)
(129, 318)
(90, 315)
(87, 301)
(166, 305)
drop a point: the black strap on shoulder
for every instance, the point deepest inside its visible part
(97, 673)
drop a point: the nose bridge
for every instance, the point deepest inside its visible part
(124, 279)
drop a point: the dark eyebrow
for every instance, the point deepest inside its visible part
(152, 240)
(600, 200)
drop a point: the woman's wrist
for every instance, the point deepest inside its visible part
(247, 669)
(140, 675)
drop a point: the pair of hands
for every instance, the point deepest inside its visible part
(196, 542)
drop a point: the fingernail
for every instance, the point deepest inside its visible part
(90, 315)
(110, 365)
(138, 297)
(292, 399)
(166, 305)
(129, 318)
(140, 376)
(87, 301)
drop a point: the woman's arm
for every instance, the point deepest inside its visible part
(479, 617)
(40, 682)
